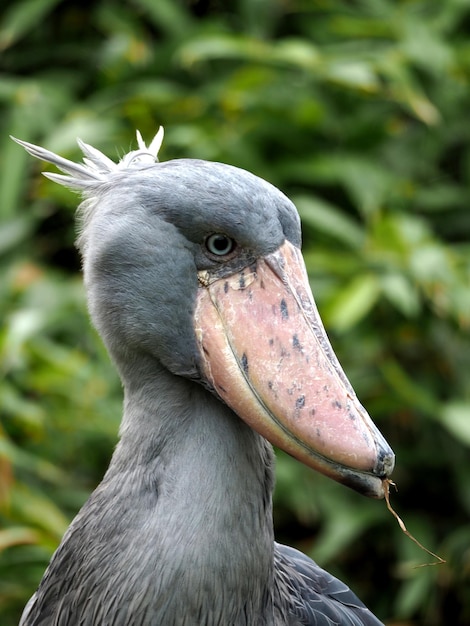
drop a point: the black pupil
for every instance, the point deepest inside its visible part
(220, 244)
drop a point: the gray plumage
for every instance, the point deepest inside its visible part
(179, 532)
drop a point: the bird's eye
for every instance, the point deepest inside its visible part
(219, 244)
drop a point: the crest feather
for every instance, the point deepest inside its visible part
(96, 167)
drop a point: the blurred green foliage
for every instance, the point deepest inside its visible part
(358, 110)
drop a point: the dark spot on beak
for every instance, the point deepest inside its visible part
(271, 342)
(226, 286)
(244, 363)
(284, 311)
(296, 343)
(337, 404)
(351, 415)
(300, 402)
(241, 281)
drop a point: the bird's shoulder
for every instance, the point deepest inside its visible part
(313, 596)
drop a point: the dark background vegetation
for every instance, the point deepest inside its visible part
(360, 112)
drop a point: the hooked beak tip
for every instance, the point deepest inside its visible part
(371, 484)
(385, 462)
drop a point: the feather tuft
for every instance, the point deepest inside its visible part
(145, 154)
(96, 167)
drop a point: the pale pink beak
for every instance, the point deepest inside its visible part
(265, 352)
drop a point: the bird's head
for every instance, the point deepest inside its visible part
(198, 265)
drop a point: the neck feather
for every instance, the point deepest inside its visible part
(189, 489)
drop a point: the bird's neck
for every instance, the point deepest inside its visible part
(199, 482)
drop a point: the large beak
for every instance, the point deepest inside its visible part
(266, 354)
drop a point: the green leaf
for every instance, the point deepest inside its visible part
(166, 14)
(327, 218)
(411, 391)
(455, 416)
(14, 232)
(402, 293)
(21, 17)
(39, 510)
(17, 536)
(222, 47)
(353, 302)
(354, 74)
(367, 181)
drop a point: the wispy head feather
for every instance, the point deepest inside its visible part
(91, 176)
(96, 167)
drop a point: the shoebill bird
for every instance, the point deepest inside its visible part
(196, 283)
